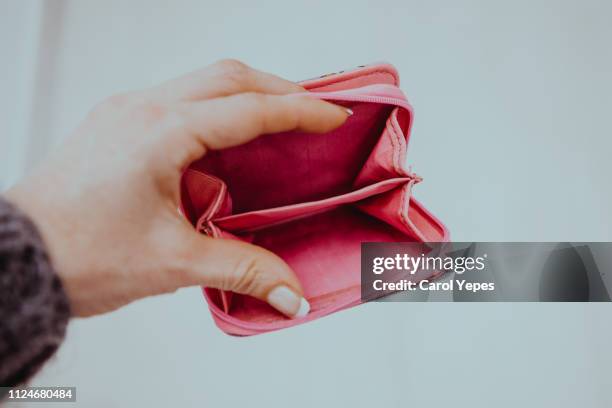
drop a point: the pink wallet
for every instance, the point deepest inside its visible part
(312, 199)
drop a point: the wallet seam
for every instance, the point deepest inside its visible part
(407, 190)
(393, 126)
(395, 82)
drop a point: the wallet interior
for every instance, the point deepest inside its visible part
(311, 199)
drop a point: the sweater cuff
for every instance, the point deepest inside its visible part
(34, 309)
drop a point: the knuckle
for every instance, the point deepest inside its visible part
(231, 65)
(149, 110)
(233, 71)
(249, 276)
(291, 111)
(259, 105)
(176, 260)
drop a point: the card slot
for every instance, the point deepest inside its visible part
(292, 168)
(255, 220)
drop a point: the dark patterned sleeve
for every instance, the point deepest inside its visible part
(34, 308)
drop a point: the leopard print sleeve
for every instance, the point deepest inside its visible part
(34, 308)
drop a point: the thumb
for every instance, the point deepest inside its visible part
(244, 268)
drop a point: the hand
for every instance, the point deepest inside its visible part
(106, 201)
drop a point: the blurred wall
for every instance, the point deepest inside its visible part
(511, 134)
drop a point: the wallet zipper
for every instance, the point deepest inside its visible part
(367, 94)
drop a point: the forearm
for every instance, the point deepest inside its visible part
(34, 309)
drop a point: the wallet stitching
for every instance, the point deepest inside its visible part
(404, 208)
(407, 191)
(401, 206)
(392, 141)
(399, 133)
(397, 147)
(355, 77)
(218, 199)
(214, 207)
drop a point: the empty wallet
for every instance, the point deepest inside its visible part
(312, 199)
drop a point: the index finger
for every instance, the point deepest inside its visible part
(226, 77)
(225, 122)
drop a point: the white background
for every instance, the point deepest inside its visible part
(512, 135)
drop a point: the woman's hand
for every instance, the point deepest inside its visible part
(106, 201)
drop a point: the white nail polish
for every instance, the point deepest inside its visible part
(349, 111)
(288, 302)
(304, 308)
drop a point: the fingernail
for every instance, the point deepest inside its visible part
(288, 302)
(349, 111)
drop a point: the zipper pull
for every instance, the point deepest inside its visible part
(415, 177)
